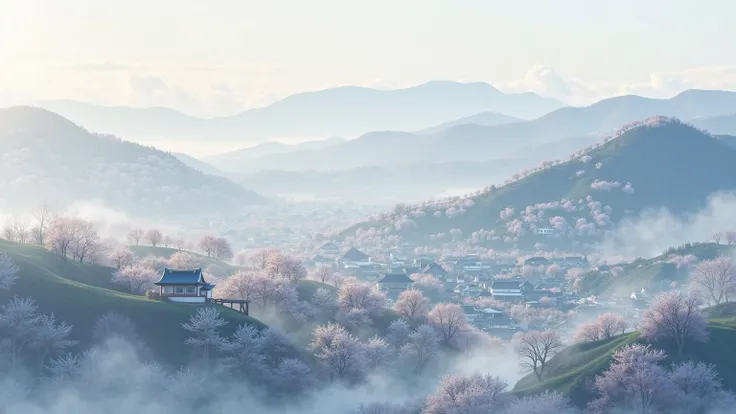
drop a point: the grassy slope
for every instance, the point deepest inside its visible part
(217, 267)
(79, 294)
(649, 273)
(573, 370)
(651, 158)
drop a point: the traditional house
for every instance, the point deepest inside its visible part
(319, 260)
(329, 250)
(184, 286)
(507, 290)
(394, 283)
(471, 314)
(355, 256)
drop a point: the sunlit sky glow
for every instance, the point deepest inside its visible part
(220, 56)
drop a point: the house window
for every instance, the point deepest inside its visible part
(168, 290)
(179, 290)
(191, 289)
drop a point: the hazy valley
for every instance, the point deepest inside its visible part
(284, 208)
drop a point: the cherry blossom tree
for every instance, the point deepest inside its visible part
(473, 394)
(634, 382)
(8, 272)
(135, 236)
(184, 261)
(293, 376)
(122, 257)
(421, 345)
(675, 317)
(545, 403)
(221, 249)
(535, 349)
(259, 259)
(154, 237)
(247, 285)
(377, 352)
(85, 242)
(244, 353)
(699, 388)
(428, 284)
(292, 269)
(606, 326)
(322, 274)
(412, 305)
(447, 319)
(341, 354)
(18, 319)
(324, 300)
(50, 338)
(714, 279)
(136, 279)
(398, 333)
(204, 326)
(357, 295)
(60, 235)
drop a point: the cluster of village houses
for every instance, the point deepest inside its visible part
(470, 277)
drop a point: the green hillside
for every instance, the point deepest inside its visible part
(571, 371)
(667, 163)
(65, 163)
(650, 274)
(217, 267)
(80, 293)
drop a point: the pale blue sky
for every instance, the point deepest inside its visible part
(222, 55)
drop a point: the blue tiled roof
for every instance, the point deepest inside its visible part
(182, 277)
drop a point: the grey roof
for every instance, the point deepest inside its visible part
(355, 255)
(395, 278)
(469, 310)
(536, 260)
(329, 246)
(435, 269)
(182, 277)
(506, 284)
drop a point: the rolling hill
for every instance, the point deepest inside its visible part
(345, 111)
(401, 182)
(473, 142)
(197, 164)
(64, 163)
(483, 118)
(571, 371)
(239, 160)
(719, 124)
(631, 173)
(653, 274)
(80, 293)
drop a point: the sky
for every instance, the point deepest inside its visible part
(218, 57)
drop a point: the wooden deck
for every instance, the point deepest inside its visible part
(243, 305)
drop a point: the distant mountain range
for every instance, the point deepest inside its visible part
(719, 124)
(662, 163)
(399, 183)
(472, 142)
(343, 111)
(48, 158)
(239, 159)
(484, 118)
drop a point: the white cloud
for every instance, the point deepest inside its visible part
(546, 81)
